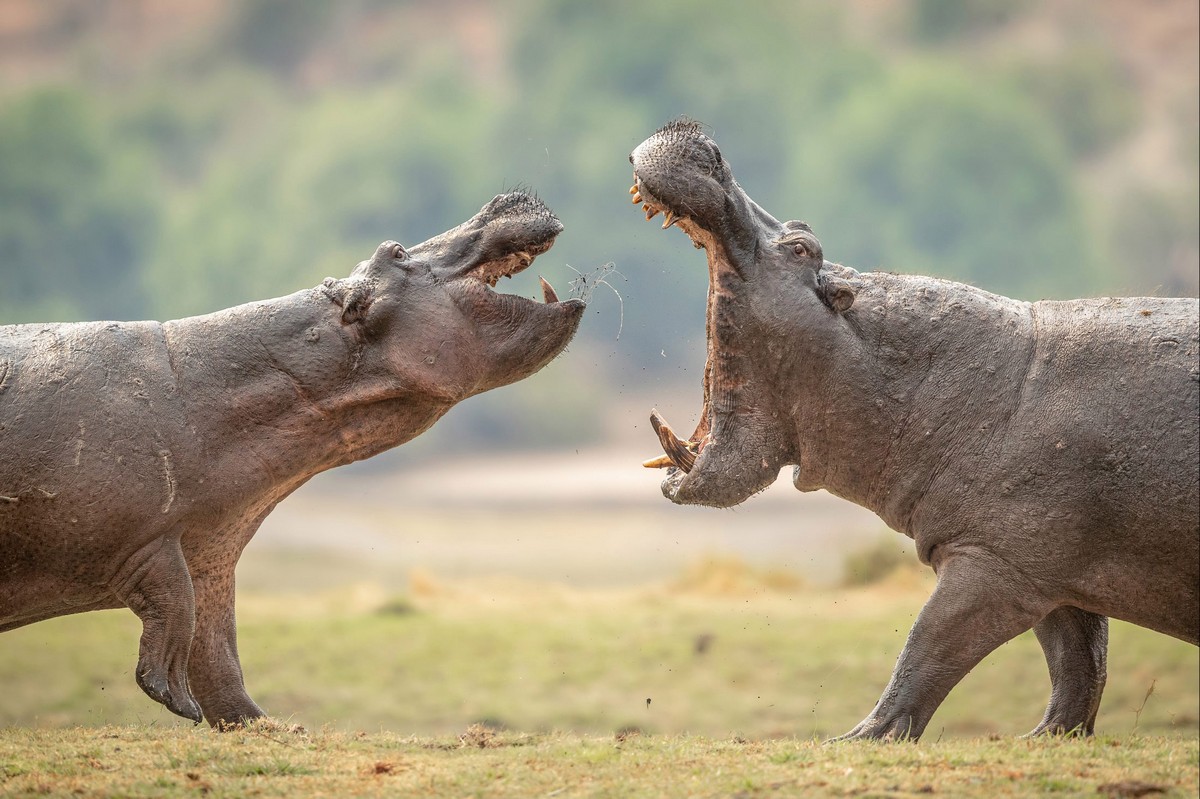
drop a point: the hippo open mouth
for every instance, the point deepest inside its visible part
(679, 172)
(470, 337)
(502, 240)
(669, 167)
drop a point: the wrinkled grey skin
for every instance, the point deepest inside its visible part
(1042, 456)
(137, 459)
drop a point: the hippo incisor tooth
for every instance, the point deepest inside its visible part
(651, 212)
(678, 451)
(633, 189)
(669, 219)
(637, 198)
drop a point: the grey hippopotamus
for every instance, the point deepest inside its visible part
(1042, 456)
(137, 459)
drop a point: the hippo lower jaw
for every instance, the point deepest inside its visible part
(715, 470)
(718, 484)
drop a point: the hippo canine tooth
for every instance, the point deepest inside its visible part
(549, 295)
(679, 452)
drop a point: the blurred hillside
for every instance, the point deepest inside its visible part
(161, 159)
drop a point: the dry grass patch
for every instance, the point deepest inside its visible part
(145, 762)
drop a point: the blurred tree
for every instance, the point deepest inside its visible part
(933, 172)
(79, 210)
(937, 21)
(320, 187)
(1156, 231)
(1086, 93)
(277, 34)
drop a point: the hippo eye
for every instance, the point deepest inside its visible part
(801, 242)
(398, 252)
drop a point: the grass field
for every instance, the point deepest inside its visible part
(155, 762)
(724, 649)
(500, 687)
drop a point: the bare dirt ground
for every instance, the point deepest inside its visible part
(585, 518)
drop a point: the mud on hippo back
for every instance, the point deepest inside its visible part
(1043, 456)
(137, 459)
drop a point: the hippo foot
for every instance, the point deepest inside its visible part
(248, 718)
(169, 691)
(264, 725)
(1058, 728)
(895, 727)
(227, 709)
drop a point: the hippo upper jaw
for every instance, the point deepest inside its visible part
(500, 241)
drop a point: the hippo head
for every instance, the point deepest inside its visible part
(772, 318)
(425, 320)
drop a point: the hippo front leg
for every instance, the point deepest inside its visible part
(214, 669)
(156, 586)
(1075, 643)
(979, 604)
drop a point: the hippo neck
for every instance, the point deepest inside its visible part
(938, 369)
(281, 389)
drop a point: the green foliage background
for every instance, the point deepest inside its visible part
(279, 142)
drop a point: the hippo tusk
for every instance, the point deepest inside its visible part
(660, 462)
(549, 295)
(678, 451)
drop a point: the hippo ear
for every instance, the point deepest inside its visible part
(836, 293)
(354, 298)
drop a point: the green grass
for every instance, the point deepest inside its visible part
(158, 762)
(777, 660)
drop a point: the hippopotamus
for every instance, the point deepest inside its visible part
(137, 459)
(1043, 456)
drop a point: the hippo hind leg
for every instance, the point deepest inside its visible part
(1075, 643)
(156, 585)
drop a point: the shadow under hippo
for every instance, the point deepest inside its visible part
(1044, 457)
(137, 459)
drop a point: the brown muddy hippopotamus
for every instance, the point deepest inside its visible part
(1044, 456)
(137, 459)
